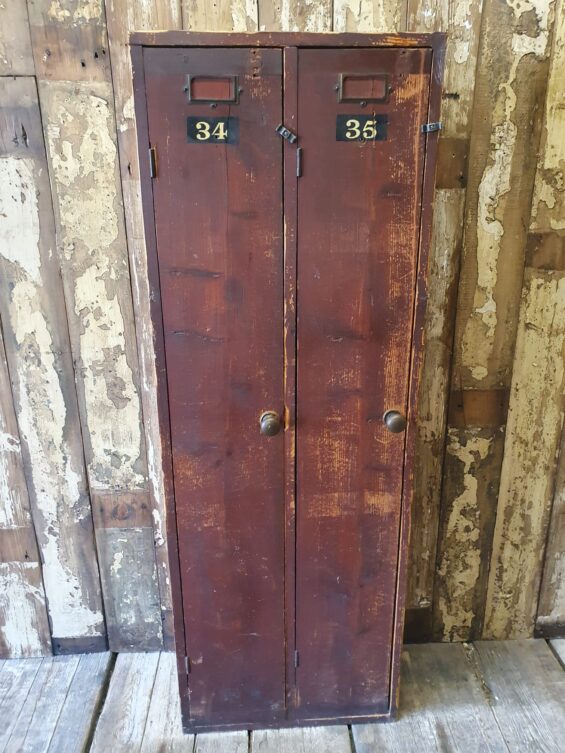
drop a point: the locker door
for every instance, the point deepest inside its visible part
(359, 119)
(218, 214)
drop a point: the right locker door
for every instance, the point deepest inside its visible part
(360, 113)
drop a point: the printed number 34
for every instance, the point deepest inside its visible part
(356, 131)
(203, 132)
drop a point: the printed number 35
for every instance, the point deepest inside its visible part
(203, 132)
(354, 130)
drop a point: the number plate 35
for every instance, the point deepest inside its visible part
(202, 130)
(361, 127)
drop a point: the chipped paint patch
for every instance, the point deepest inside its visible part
(366, 16)
(75, 11)
(495, 184)
(80, 131)
(244, 15)
(460, 562)
(41, 407)
(308, 15)
(548, 206)
(10, 501)
(20, 603)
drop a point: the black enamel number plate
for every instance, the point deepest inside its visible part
(203, 130)
(361, 127)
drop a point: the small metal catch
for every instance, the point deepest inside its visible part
(286, 133)
(431, 127)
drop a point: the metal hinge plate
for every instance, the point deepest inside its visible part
(152, 162)
(187, 665)
(296, 659)
(431, 127)
(286, 133)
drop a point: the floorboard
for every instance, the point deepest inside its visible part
(163, 731)
(302, 740)
(121, 726)
(527, 686)
(493, 697)
(41, 709)
(222, 742)
(16, 679)
(558, 646)
(74, 725)
(443, 708)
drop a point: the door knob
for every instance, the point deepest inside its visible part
(270, 423)
(395, 421)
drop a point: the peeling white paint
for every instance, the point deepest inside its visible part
(494, 185)
(75, 11)
(10, 501)
(459, 567)
(80, 134)
(366, 16)
(20, 215)
(244, 15)
(41, 407)
(308, 15)
(20, 603)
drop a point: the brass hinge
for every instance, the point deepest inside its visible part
(152, 162)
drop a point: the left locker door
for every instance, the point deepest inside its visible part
(217, 195)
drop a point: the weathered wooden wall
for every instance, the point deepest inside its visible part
(83, 558)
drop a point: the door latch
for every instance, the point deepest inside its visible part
(286, 133)
(431, 127)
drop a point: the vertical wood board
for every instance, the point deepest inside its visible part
(16, 58)
(533, 433)
(41, 371)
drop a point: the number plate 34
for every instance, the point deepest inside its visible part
(203, 130)
(361, 127)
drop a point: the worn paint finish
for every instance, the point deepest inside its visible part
(513, 67)
(472, 457)
(223, 15)
(369, 15)
(16, 58)
(535, 419)
(22, 610)
(432, 407)
(80, 134)
(122, 17)
(295, 15)
(548, 205)
(33, 319)
(551, 608)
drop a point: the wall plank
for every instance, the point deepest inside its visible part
(41, 371)
(80, 130)
(16, 58)
(369, 15)
(123, 17)
(221, 15)
(295, 15)
(462, 24)
(533, 431)
(510, 86)
(548, 205)
(24, 628)
(551, 608)
(69, 40)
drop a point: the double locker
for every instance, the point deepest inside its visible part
(286, 187)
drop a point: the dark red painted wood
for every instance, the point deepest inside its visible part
(219, 242)
(212, 707)
(358, 234)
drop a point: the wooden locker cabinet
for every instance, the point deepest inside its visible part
(287, 184)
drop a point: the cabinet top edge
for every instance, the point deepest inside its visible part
(177, 38)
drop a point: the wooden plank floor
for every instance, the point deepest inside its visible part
(488, 697)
